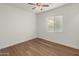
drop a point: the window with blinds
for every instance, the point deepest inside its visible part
(55, 24)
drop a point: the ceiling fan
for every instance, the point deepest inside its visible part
(38, 5)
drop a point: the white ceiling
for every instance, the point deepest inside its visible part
(28, 7)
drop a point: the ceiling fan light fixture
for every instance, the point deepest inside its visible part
(39, 6)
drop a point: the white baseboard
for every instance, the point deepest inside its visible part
(30, 38)
(60, 43)
(15, 43)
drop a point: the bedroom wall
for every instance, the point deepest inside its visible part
(70, 34)
(16, 25)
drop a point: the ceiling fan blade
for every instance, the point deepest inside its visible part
(37, 3)
(33, 7)
(31, 3)
(45, 5)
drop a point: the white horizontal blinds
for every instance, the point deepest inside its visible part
(51, 24)
(58, 23)
(55, 24)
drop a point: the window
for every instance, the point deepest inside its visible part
(55, 24)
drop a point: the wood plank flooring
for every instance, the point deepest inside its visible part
(39, 47)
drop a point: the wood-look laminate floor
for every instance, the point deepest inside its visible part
(39, 47)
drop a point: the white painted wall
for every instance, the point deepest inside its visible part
(16, 25)
(70, 34)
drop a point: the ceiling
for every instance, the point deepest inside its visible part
(28, 7)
